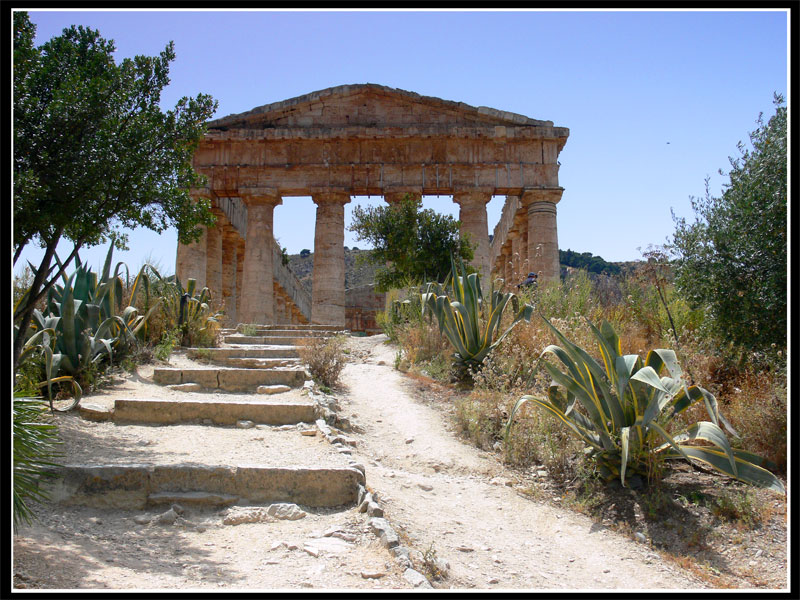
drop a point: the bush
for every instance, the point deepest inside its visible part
(731, 261)
(325, 358)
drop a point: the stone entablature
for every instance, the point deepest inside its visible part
(374, 140)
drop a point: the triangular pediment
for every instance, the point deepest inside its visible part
(369, 105)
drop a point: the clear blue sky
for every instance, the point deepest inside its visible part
(654, 101)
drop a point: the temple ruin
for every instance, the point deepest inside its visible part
(365, 140)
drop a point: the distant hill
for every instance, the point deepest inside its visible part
(588, 261)
(302, 265)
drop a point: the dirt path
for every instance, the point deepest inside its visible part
(455, 499)
(439, 494)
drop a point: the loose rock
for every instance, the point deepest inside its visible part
(167, 518)
(289, 512)
(416, 578)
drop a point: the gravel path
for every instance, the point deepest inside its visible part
(455, 499)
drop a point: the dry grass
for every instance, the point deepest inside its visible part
(324, 356)
(755, 402)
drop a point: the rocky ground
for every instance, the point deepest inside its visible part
(469, 521)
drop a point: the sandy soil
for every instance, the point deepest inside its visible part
(456, 500)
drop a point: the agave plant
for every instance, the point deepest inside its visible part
(622, 411)
(103, 298)
(35, 450)
(470, 324)
(185, 308)
(43, 341)
(82, 325)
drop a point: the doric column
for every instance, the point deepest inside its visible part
(257, 304)
(519, 251)
(327, 288)
(240, 246)
(395, 197)
(230, 243)
(214, 255)
(542, 232)
(473, 221)
(190, 261)
(506, 268)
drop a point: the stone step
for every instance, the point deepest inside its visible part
(295, 327)
(192, 498)
(170, 412)
(135, 486)
(260, 363)
(230, 379)
(249, 351)
(263, 340)
(300, 333)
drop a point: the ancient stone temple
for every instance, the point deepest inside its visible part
(362, 140)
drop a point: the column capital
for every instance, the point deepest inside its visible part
(472, 197)
(532, 195)
(330, 197)
(261, 200)
(202, 192)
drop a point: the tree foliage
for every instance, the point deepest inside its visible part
(94, 154)
(731, 260)
(588, 261)
(409, 243)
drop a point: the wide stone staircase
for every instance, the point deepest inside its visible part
(250, 384)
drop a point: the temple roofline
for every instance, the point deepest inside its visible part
(349, 89)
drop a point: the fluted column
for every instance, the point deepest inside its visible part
(543, 232)
(214, 255)
(507, 267)
(473, 221)
(327, 289)
(257, 304)
(240, 246)
(230, 243)
(519, 251)
(190, 260)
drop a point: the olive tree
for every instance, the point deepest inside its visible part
(731, 261)
(409, 243)
(94, 154)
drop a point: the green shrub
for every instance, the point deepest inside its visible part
(169, 340)
(247, 329)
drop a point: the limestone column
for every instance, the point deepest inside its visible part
(257, 303)
(327, 288)
(190, 262)
(542, 232)
(506, 268)
(240, 246)
(517, 253)
(230, 243)
(214, 256)
(473, 221)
